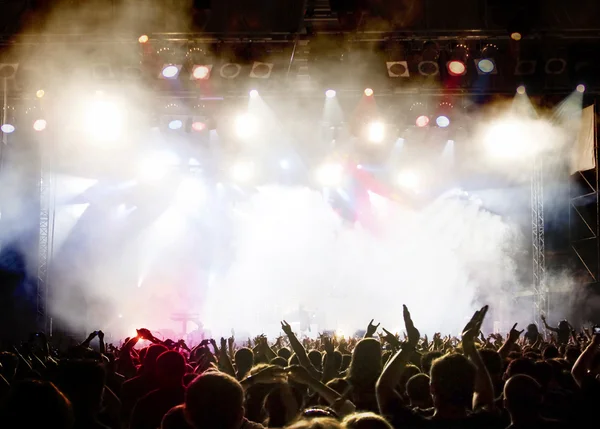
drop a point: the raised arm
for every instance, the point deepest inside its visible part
(548, 327)
(225, 364)
(387, 397)
(483, 395)
(584, 362)
(371, 329)
(300, 351)
(513, 337)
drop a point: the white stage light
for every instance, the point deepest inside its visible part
(581, 88)
(246, 125)
(330, 175)
(330, 93)
(7, 128)
(408, 180)
(253, 93)
(39, 125)
(104, 120)
(442, 121)
(376, 132)
(242, 171)
(521, 90)
(175, 124)
(170, 71)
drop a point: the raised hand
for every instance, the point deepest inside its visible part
(144, 334)
(390, 338)
(471, 329)
(514, 334)
(101, 335)
(412, 332)
(271, 375)
(327, 344)
(371, 329)
(286, 328)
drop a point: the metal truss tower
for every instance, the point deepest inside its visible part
(540, 288)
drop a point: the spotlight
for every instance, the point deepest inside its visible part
(201, 72)
(330, 93)
(39, 125)
(104, 120)
(442, 121)
(330, 175)
(581, 88)
(486, 66)
(253, 93)
(457, 68)
(376, 132)
(7, 128)
(242, 171)
(521, 90)
(143, 38)
(408, 180)
(246, 125)
(368, 92)
(40, 93)
(486, 63)
(508, 139)
(516, 36)
(170, 71)
(422, 121)
(175, 124)
(198, 126)
(284, 164)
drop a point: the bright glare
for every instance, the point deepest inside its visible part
(40, 93)
(442, 121)
(175, 124)
(284, 164)
(581, 88)
(376, 132)
(330, 175)
(39, 125)
(457, 68)
(7, 128)
(143, 38)
(156, 166)
(521, 90)
(408, 180)
(330, 93)
(201, 72)
(104, 120)
(253, 93)
(422, 121)
(368, 92)
(242, 171)
(191, 193)
(170, 71)
(507, 139)
(486, 66)
(516, 36)
(246, 125)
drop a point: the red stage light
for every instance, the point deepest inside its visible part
(201, 73)
(422, 121)
(198, 126)
(457, 68)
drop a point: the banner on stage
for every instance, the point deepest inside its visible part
(582, 155)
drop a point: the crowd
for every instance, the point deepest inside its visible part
(380, 381)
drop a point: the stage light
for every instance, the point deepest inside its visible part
(246, 125)
(516, 36)
(376, 132)
(175, 124)
(422, 121)
(143, 38)
(521, 90)
(39, 125)
(442, 121)
(330, 175)
(368, 92)
(201, 72)
(457, 68)
(330, 93)
(7, 128)
(242, 171)
(170, 71)
(261, 70)
(509, 139)
(40, 93)
(198, 126)
(253, 93)
(104, 120)
(581, 88)
(408, 180)
(284, 164)
(486, 66)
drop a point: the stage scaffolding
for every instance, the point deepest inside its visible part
(538, 251)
